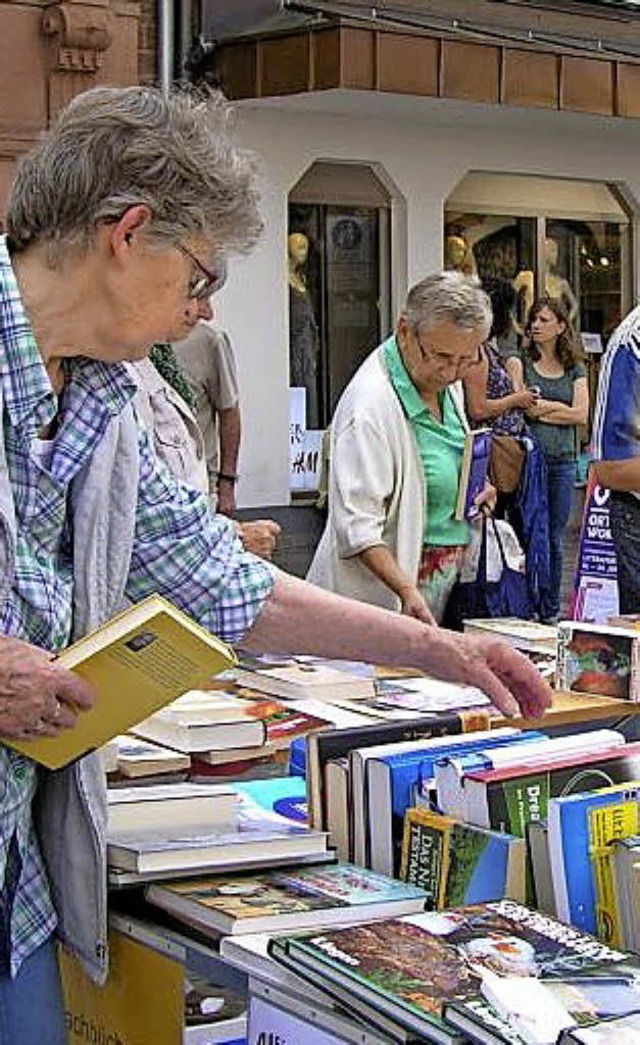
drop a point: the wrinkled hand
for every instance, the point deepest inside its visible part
(38, 697)
(510, 680)
(259, 536)
(415, 605)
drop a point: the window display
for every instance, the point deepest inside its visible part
(338, 270)
(567, 239)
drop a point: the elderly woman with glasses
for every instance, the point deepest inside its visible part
(113, 228)
(397, 439)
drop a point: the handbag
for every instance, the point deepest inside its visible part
(506, 462)
(505, 596)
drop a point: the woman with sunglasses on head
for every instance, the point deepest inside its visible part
(550, 365)
(397, 439)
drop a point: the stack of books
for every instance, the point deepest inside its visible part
(187, 829)
(224, 734)
(496, 973)
(291, 899)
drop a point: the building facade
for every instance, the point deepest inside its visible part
(497, 136)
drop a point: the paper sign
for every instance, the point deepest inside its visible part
(141, 1002)
(596, 587)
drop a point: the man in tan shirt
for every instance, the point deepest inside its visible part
(207, 359)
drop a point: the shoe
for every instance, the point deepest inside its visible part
(553, 621)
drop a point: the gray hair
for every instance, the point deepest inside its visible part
(449, 297)
(115, 147)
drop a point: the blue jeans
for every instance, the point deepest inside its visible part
(560, 483)
(625, 530)
(31, 1007)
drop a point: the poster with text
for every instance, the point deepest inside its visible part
(595, 596)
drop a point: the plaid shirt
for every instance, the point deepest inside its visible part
(179, 550)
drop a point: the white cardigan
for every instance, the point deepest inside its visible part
(376, 487)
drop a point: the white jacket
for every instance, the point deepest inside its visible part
(376, 487)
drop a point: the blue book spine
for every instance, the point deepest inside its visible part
(408, 770)
(569, 844)
(298, 757)
(476, 761)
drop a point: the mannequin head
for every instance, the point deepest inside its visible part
(298, 246)
(455, 252)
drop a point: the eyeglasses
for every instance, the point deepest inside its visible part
(444, 361)
(202, 286)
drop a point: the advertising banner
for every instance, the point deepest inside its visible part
(595, 597)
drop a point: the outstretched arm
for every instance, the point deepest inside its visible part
(300, 618)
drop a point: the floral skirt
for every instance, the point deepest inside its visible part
(438, 572)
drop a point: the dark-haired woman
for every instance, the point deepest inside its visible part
(550, 364)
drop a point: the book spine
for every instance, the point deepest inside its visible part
(425, 859)
(605, 825)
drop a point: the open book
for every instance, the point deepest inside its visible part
(138, 661)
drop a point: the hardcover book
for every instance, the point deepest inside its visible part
(474, 471)
(411, 968)
(170, 806)
(528, 635)
(337, 743)
(457, 863)
(274, 901)
(388, 781)
(597, 658)
(451, 772)
(618, 1030)
(625, 859)
(296, 681)
(137, 758)
(190, 733)
(508, 799)
(138, 661)
(593, 998)
(227, 848)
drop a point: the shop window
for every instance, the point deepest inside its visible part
(339, 295)
(568, 239)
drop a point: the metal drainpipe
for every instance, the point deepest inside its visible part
(166, 42)
(186, 35)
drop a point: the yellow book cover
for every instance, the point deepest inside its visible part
(138, 661)
(426, 853)
(606, 825)
(141, 1002)
(458, 863)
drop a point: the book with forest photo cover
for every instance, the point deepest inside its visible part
(411, 968)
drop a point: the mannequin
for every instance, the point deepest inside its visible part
(556, 286)
(458, 255)
(303, 329)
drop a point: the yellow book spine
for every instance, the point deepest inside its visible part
(607, 824)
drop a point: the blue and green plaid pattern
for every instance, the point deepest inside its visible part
(179, 550)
